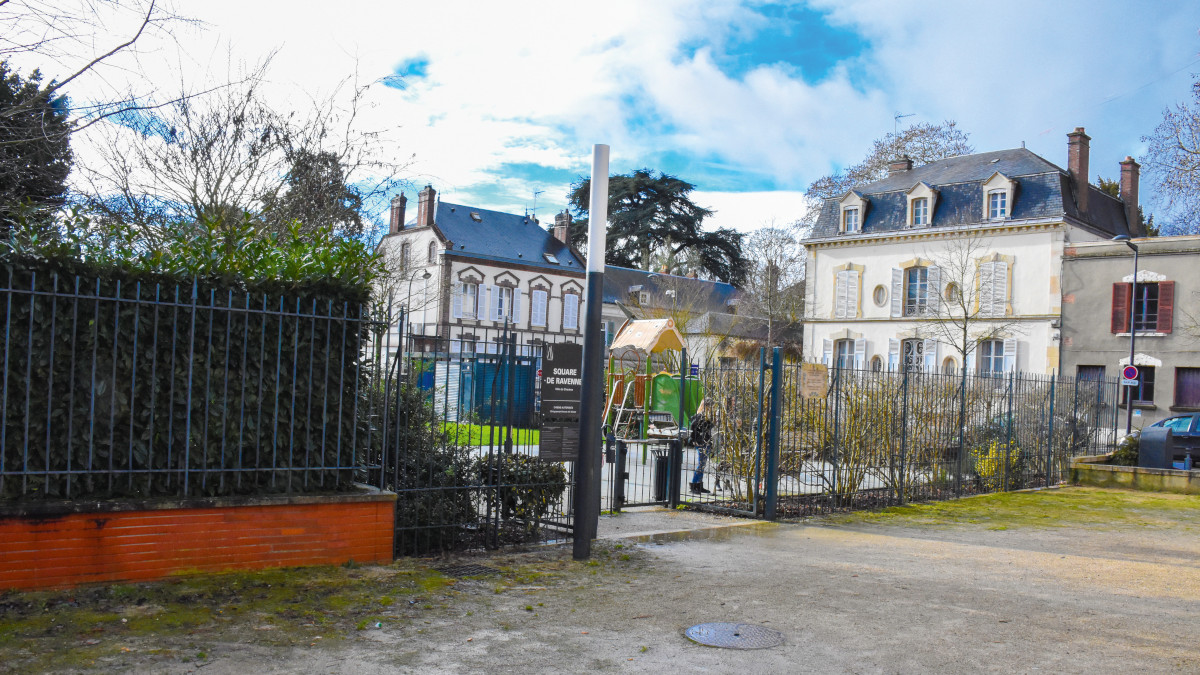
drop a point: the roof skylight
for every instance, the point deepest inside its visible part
(550, 258)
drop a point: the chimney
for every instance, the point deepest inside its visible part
(1078, 149)
(1130, 171)
(425, 206)
(397, 220)
(899, 165)
(562, 226)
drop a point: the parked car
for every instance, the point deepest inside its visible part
(1186, 430)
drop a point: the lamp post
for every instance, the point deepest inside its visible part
(408, 301)
(1124, 238)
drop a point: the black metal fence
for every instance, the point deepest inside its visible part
(112, 389)
(869, 439)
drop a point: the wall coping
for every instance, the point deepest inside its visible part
(52, 508)
(1097, 463)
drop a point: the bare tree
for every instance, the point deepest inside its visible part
(774, 290)
(923, 143)
(232, 154)
(971, 299)
(1172, 162)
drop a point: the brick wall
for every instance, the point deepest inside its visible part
(62, 545)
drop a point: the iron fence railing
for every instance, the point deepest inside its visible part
(112, 389)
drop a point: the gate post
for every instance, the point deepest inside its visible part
(772, 503)
(755, 488)
(1050, 429)
(619, 476)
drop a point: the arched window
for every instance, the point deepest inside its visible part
(432, 256)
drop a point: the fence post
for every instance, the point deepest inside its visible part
(903, 492)
(962, 428)
(619, 476)
(762, 387)
(1008, 424)
(837, 430)
(1050, 429)
(769, 510)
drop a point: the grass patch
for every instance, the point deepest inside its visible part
(1065, 507)
(479, 434)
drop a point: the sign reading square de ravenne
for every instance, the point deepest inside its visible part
(562, 388)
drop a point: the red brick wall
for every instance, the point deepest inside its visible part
(56, 551)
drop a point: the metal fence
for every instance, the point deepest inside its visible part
(873, 439)
(112, 389)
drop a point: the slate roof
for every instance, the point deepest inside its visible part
(705, 296)
(1043, 191)
(503, 237)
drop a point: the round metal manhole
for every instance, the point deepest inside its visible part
(734, 635)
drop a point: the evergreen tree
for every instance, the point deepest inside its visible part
(35, 151)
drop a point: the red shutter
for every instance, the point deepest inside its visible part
(1122, 295)
(1166, 303)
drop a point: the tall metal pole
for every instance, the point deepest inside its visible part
(587, 468)
(1132, 335)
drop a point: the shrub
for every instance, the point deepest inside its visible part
(1126, 453)
(998, 466)
(526, 487)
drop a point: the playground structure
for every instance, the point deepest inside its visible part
(648, 387)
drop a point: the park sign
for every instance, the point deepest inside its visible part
(562, 389)
(814, 380)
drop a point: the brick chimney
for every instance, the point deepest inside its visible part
(1130, 172)
(397, 220)
(562, 227)
(899, 165)
(1078, 149)
(425, 205)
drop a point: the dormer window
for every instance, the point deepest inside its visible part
(922, 200)
(998, 194)
(920, 212)
(997, 205)
(853, 209)
(850, 220)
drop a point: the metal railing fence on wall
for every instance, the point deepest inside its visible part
(882, 438)
(461, 434)
(133, 389)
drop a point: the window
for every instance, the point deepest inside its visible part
(914, 355)
(1187, 387)
(1178, 425)
(1145, 307)
(920, 212)
(997, 204)
(1152, 306)
(991, 358)
(503, 304)
(1143, 392)
(537, 310)
(916, 291)
(844, 354)
(846, 295)
(465, 300)
(953, 294)
(949, 367)
(405, 253)
(432, 255)
(610, 331)
(993, 288)
(570, 311)
(1090, 373)
(550, 258)
(850, 220)
(876, 364)
(879, 295)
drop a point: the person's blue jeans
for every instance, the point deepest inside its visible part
(702, 454)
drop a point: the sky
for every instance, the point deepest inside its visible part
(498, 103)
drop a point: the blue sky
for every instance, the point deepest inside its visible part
(750, 101)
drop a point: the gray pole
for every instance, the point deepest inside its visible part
(1132, 334)
(587, 467)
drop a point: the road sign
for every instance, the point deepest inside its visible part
(539, 374)
(1129, 372)
(1126, 382)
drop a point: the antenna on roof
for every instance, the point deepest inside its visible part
(896, 121)
(533, 213)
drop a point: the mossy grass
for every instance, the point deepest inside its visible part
(1062, 507)
(479, 434)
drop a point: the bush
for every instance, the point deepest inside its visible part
(526, 487)
(1126, 453)
(998, 466)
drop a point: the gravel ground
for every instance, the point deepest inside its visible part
(860, 597)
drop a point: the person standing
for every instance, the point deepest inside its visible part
(700, 438)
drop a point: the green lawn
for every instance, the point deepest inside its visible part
(478, 434)
(1064, 507)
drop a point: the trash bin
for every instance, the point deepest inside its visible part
(662, 474)
(1156, 448)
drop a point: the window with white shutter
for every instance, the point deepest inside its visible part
(897, 292)
(993, 288)
(893, 353)
(570, 311)
(456, 302)
(516, 305)
(537, 308)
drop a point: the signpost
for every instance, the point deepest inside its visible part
(562, 386)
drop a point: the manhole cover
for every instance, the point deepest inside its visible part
(734, 635)
(466, 570)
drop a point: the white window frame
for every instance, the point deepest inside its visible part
(847, 293)
(570, 319)
(918, 192)
(850, 221)
(997, 211)
(920, 216)
(465, 301)
(998, 183)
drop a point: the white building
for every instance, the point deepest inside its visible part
(880, 259)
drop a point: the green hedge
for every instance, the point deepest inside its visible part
(158, 384)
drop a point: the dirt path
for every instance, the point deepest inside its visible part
(875, 595)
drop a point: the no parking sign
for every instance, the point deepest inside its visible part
(1129, 376)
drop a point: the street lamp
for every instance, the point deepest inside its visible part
(408, 301)
(1124, 238)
